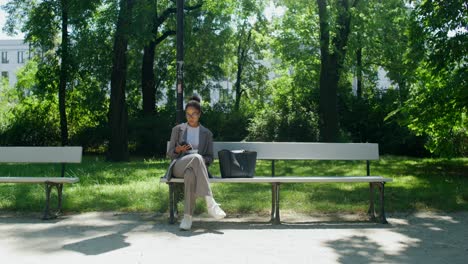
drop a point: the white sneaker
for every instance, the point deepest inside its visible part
(186, 223)
(216, 212)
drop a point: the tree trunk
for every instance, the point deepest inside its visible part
(148, 87)
(118, 115)
(327, 104)
(241, 56)
(331, 66)
(402, 90)
(359, 73)
(237, 85)
(148, 79)
(148, 82)
(64, 69)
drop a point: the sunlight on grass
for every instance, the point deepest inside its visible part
(418, 184)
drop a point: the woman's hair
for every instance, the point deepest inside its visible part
(194, 101)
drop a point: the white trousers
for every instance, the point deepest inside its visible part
(193, 169)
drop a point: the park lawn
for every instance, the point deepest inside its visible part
(418, 185)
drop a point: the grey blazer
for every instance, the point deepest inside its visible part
(179, 135)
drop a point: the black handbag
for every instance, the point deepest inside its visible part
(237, 163)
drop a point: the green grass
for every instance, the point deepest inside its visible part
(419, 185)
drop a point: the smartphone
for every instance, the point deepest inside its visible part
(185, 143)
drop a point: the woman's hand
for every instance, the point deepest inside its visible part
(182, 149)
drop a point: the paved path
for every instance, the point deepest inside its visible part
(145, 238)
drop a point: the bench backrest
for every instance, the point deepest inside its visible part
(41, 154)
(303, 150)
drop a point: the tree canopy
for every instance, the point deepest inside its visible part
(103, 74)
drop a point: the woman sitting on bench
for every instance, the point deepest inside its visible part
(191, 151)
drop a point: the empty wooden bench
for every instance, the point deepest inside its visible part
(60, 155)
(300, 151)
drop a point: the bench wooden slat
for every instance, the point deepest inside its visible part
(33, 154)
(40, 154)
(303, 150)
(292, 179)
(298, 151)
(38, 180)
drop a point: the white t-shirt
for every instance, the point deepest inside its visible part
(193, 137)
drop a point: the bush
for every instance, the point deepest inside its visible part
(92, 139)
(288, 115)
(296, 126)
(34, 124)
(364, 121)
(148, 135)
(225, 123)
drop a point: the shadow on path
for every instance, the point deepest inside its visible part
(421, 237)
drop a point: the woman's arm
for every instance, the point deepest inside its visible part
(208, 157)
(171, 153)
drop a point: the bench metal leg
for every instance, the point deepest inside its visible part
(47, 215)
(171, 203)
(371, 211)
(382, 202)
(273, 193)
(48, 189)
(59, 192)
(273, 202)
(277, 220)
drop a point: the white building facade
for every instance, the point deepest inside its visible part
(14, 54)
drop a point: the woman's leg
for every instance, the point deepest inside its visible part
(189, 186)
(193, 169)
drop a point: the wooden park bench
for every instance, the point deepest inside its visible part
(299, 151)
(60, 155)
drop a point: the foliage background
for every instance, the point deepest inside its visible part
(422, 45)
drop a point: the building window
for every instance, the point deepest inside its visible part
(20, 57)
(4, 74)
(4, 57)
